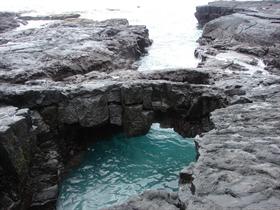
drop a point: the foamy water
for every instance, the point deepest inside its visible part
(172, 24)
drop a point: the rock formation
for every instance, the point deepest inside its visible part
(238, 162)
(74, 77)
(77, 77)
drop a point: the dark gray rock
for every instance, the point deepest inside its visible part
(250, 27)
(153, 199)
(242, 28)
(238, 165)
(75, 76)
(216, 9)
(132, 94)
(49, 17)
(70, 47)
(82, 88)
(86, 110)
(205, 14)
(235, 91)
(202, 106)
(16, 141)
(116, 112)
(193, 76)
(241, 100)
(236, 168)
(136, 121)
(8, 21)
(45, 197)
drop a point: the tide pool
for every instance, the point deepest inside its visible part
(115, 169)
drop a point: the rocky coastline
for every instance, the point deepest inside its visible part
(69, 81)
(238, 164)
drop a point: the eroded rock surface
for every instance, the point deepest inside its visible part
(76, 77)
(152, 200)
(8, 21)
(238, 167)
(16, 143)
(238, 163)
(251, 28)
(70, 47)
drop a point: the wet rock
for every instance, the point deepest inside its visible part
(132, 94)
(137, 121)
(114, 95)
(153, 199)
(45, 197)
(241, 100)
(235, 91)
(203, 106)
(205, 14)
(50, 17)
(116, 112)
(253, 50)
(243, 30)
(213, 10)
(8, 21)
(39, 125)
(17, 140)
(71, 47)
(88, 111)
(193, 76)
(238, 163)
(236, 167)
(76, 76)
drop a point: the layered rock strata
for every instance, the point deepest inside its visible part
(237, 167)
(238, 163)
(74, 78)
(70, 47)
(56, 86)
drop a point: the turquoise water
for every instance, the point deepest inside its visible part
(119, 167)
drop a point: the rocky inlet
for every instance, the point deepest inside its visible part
(76, 78)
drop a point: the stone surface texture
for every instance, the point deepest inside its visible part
(76, 77)
(238, 163)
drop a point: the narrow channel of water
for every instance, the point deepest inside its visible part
(171, 24)
(116, 168)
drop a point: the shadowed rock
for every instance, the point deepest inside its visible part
(76, 77)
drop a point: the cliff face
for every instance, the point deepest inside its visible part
(17, 140)
(238, 163)
(74, 78)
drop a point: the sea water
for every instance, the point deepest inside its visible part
(172, 24)
(115, 169)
